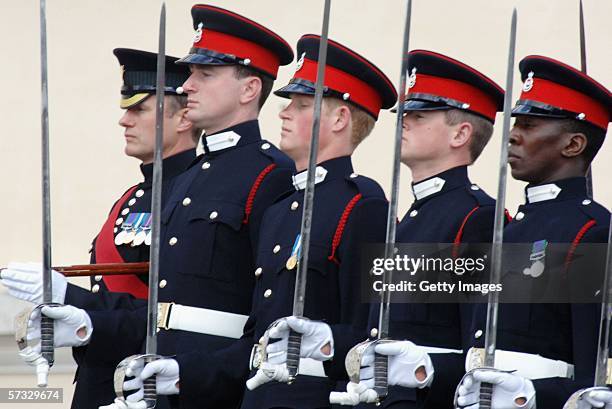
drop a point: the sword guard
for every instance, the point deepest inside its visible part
(574, 400)
(149, 384)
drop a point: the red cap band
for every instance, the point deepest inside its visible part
(261, 58)
(569, 99)
(360, 92)
(479, 101)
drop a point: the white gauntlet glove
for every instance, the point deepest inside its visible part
(509, 391)
(595, 398)
(317, 343)
(167, 377)
(24, 281)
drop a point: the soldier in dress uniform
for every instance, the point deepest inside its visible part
(125, 236)
(449, 109)
(349, 211)
(210, 222)
(561, 120)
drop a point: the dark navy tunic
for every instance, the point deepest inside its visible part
(454, 210)
(94, 377)
(209, 228)
(568, 331)
(332, 290)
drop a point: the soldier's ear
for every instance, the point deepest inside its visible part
(183, 124)
(342, 118)
(251, 89)
(461, 134)
(576, 143)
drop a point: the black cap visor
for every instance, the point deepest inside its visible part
(535, 108)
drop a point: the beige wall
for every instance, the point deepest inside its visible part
(89, 169)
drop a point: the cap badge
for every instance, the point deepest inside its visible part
(300, 62)
(198, 33)
(412, 79)
(528, 85)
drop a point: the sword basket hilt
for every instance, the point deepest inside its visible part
(294, 344)
(486, 395)
(149, 387)
(381, 364)
(46, 339)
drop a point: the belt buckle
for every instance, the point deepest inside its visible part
(163, 314)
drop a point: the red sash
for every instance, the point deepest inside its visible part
(106, 252)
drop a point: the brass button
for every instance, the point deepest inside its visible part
(276, 249)
(519, 216)
(294, 205)
(95, 288)
(98, 278)
(414, 213)
(173, 241)
(125, 211)
(258, 271)
(206, 165)
(131, 202)
(186, 201)
(267, 293)
(213, 215)
(374, 332)
(162, 283)
(139, 193)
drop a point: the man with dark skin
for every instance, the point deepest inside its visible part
(561, 121)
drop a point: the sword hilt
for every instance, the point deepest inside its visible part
(381, 364)
(149, 387)
(294, 345)
(46, 339)
(486, 395)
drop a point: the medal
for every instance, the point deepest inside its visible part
(537, 257)
(295, 253)
(119, 238)
(129, 236)
(139, 238)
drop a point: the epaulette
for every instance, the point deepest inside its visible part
(367, 187)
(594, 211)
(481, 197)
(276, 155)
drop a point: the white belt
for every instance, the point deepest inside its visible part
(530, 366)
(200, 320)
(308, 366)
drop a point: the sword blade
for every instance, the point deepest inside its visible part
(601, 368)
(383, 318)
(381, 362)
(583, 68)
(47, 348)
(299, 296)
(151, 343)
(486, 389)
(500, 206)
(302, 268)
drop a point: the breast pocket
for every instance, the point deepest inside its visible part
(214, 240)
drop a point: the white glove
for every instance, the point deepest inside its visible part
(268, 372)
(355, 393)
(507, 388)
(315, 336)
(595, 398)
(122, 404)
(24, 281)
(68, 321)
(33, 357)
(166, 380)
(405, 358)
